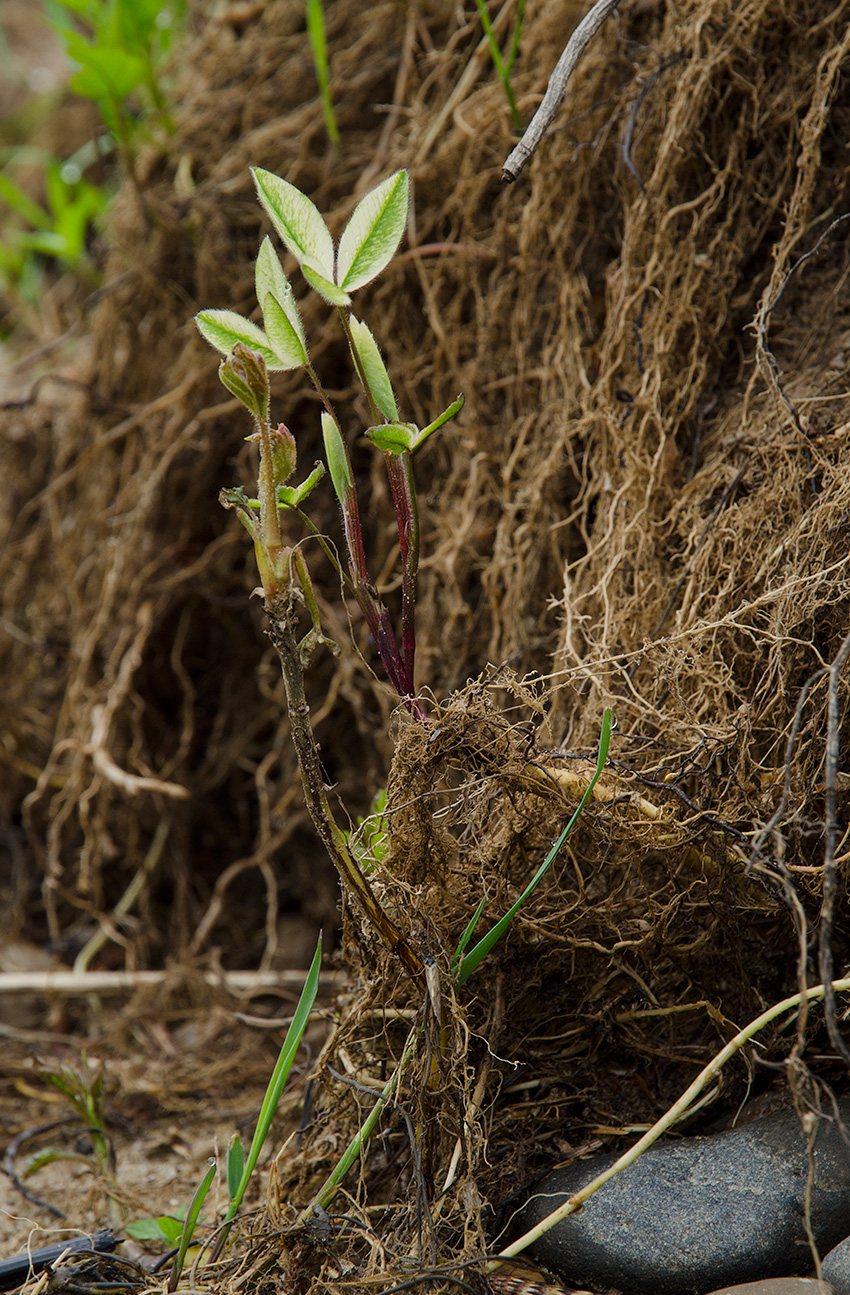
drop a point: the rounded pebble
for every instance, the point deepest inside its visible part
(699, 1214)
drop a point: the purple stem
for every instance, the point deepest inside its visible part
(400, 473)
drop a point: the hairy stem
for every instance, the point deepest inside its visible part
(282, 613)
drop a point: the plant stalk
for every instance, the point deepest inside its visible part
(282, 614)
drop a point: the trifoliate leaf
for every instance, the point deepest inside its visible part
(373, 233)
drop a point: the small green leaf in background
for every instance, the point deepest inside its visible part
(298, 221)
(372, 235)
(377, 378)
(319, 47)
(105, 73)
(224, 328)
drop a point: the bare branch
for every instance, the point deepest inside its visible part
(557, 88)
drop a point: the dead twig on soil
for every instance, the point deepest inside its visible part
(557, 88)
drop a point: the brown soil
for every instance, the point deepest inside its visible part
(644, 505)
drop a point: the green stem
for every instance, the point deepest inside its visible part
(332, 1183)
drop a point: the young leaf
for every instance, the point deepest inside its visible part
(269, 277)
(276, 1086)
(377, 378)
(393, 438)
(476, 956)
(338, 463)
(373, 233)
(454, 408)
(224, 328)
(331, 293)
(235, 1165)
(171, 1230)
(294, 496)
(189, 1227)
(286, 342)
(298, 222)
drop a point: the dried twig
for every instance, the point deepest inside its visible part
(557, 88)
(72, 983)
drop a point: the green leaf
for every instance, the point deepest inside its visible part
(468, 934)
(279, 1077)
(21, 202)
(171, 1229)
(269, 277)
(294, 496)
(377, 378)
(338, 462)
(318, 44)
(454, 408)
(189, 1226)
(483, 947)
(145, 1230)
(298, 222)
(325, 288)
(224, 328)
(393, 438)
(106, 72)
(373, 233)
(235, 1165)
(287, 344)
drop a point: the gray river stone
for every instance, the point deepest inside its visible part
(780, 1286)
(702, 1213)
(836, 1267)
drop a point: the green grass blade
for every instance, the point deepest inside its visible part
(467, 935)
(332, 1183)
(501, 67)
(276, 1085)
(189, 1227)
(483, 947)
(319, 47)
(520, 12)
(235, 1166)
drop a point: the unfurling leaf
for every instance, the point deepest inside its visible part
(294, 496)
(298, 221)
(377, 378)
(244, 374)
(394, 438)
(373, 233)
(224, 328)
(454, 408)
